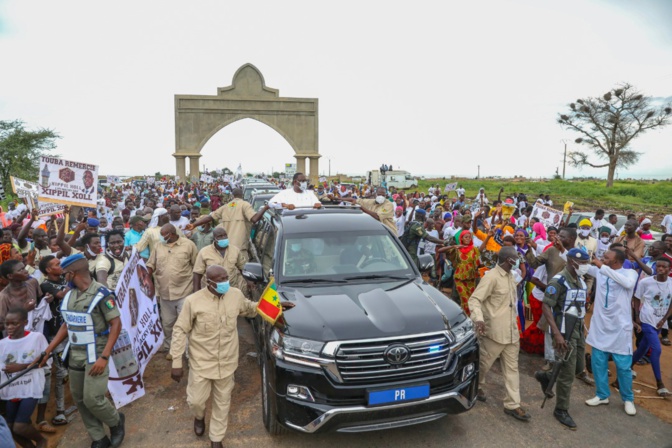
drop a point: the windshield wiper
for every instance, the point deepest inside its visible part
(376, 276)
(313, 280)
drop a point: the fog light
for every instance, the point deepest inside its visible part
(299, 392)
(467, 371)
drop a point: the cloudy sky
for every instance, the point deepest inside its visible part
(432, 87)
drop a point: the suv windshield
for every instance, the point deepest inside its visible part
(341, 255)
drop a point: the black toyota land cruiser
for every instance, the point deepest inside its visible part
(368, 344)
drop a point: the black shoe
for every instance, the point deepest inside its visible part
(518, 414)
(118, 432)
(199, 426)
(480, 395)
(564, 418)
(102, 443)
(543, 380)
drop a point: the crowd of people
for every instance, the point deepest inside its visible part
(499, 262)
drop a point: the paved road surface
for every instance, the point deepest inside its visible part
(151, 424)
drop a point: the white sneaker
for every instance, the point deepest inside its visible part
(630, 408)
(634, 374)
(596, 401)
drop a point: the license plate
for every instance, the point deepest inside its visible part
(398, 395)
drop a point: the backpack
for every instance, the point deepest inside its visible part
(407, 239)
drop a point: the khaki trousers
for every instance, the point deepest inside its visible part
(170, 309)
(198, 392)
(508, 359)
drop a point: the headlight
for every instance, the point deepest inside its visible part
(297, 350)
(463, 330)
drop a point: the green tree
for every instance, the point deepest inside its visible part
(608, 124)
(20, 150)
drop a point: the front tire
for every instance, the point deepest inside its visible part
(268, 403)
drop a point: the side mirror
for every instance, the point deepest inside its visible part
(253, 272)
(425, 262)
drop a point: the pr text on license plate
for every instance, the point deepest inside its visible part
(398, 395)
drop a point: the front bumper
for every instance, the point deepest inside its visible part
(343, 407)
(363, 418)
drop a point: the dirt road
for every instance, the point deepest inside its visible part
(151, 423)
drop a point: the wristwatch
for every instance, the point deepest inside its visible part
(105, 357)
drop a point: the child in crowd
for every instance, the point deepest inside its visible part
(18, 351)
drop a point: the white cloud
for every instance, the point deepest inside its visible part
(432, 87)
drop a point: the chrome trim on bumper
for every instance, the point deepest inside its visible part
(395, 424)
(324, 418)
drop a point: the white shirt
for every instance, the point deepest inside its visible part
(541, 245)
(608, 224)
(23, 350)
(289, 196)
(181, 223)
(655, 297)
(541, 274)
(667, 224)
(460, 192)
(477, 199)
(611, 324)
(430, 248)
(522, 221)
(400, 221)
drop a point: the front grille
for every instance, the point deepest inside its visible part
(363, 361)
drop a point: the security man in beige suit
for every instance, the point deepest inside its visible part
(209, 321)
(378, 208)
(236, 217)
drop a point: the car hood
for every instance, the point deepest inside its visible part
(363, 311)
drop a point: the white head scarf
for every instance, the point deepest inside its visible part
(155, 216)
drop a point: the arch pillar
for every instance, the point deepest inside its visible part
(314, 173)
(300, 163)
(180, 167)
(194, 174)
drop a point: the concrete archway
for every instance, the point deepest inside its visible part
(199, 117)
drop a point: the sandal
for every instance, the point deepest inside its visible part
(45, 427)
(666, 341)
(59, 419)
(663, 392)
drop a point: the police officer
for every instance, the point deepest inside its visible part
(564, 308)
(92, 325)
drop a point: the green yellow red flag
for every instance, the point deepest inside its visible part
(269, 304)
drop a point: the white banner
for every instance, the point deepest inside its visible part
(67, 182)
(23, 188)
(141, 332)
(207, 178)
(113, 179)
(30, 191)
(151, 180)
(451, 187)
(547, 215)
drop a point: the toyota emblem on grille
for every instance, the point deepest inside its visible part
(397, 354)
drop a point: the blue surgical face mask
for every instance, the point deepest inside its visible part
(162, 239)
(201, 228)
(222, 287)
(223, 243)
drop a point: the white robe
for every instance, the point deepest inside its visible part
(611, 324)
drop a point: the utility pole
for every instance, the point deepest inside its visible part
(329, 166)
(564, 158)
(479, 172)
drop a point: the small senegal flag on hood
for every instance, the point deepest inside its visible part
(269, 304)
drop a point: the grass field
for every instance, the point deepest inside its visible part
(642, 197)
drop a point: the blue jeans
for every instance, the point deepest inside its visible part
(600, 362)
(649, 341)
